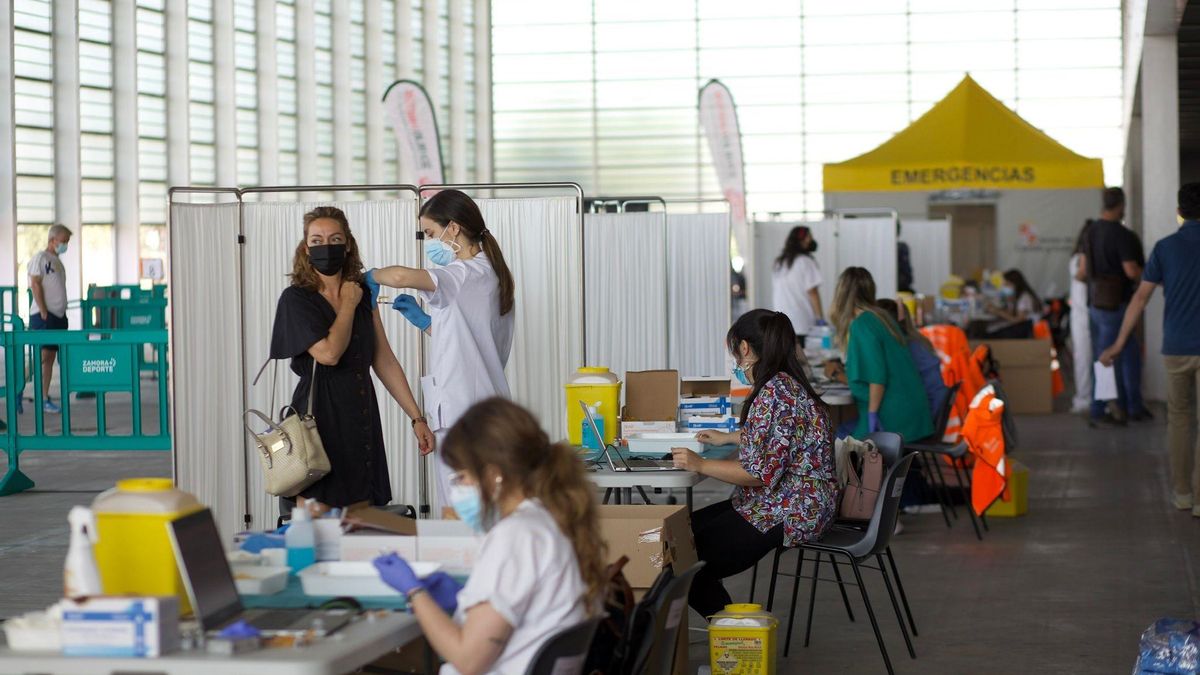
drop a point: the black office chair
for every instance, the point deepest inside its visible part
(857, 546)
(653, 651)
(566, 652)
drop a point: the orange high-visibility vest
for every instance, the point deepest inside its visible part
(1041, 331)
(984, 435)
(957, 368)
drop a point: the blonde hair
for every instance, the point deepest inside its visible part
(500, 434)
(855, 292)
(304, 274)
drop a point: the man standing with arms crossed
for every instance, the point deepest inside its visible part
(1173, 266)
(48, 281)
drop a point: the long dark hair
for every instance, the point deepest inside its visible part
(794, 247)
(455, 206)
(773, 340)
(500, 434)
(1017, 279)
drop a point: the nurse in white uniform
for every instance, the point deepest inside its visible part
(468, 289)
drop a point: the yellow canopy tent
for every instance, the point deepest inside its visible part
(968, 140)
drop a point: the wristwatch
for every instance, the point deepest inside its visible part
(418, 420)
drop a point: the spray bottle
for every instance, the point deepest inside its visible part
(80, 576)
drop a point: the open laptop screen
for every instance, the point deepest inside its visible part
(205, 570)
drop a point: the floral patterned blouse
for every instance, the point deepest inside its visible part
(787, 444)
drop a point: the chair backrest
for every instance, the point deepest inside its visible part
(566, 652)
(943, 414)
(887, 510)
(890, 445)
(656, 655)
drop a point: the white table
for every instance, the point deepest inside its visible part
(623, 482)
(347, 650)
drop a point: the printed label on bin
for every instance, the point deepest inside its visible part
(99, 365)
(738, 655)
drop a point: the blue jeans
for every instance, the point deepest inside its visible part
(1105, 326)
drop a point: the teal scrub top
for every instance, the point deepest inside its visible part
(874, 356)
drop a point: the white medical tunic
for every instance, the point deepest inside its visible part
(789, 289)
(527, 571)
(470, 341)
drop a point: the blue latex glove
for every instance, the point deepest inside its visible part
(444, 590)
(407, 305)
(397, 573)
(239, 630)
(373, 286)
(259, 542)
(873, 423)
(821, 322)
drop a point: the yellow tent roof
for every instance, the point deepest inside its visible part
(969, 139)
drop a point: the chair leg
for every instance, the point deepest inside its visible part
(895, 606)
(970, 507)
(812, 600)
(937, 464)
(787, 643)
(774, 576)
(926, 458)
(900, 587)
(837, 572)
(753, 582)
(871, 614)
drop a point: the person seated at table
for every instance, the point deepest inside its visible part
(1021, 303)
(786, 489)
(923, 354)
(883, 379)
(540, 567)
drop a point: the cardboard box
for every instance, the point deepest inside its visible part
(120, 626)
(704, 396)
(450, 542)
(651, 402)
(366, 545)
(1015, 501)
(728, 422)
(652, 536)
(1024, 367)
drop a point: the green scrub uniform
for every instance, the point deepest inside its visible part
(874, 356)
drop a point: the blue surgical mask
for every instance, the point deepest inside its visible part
(740, 373)
(1007, 291)
(60, 249)
(468, 504)
(439, 251)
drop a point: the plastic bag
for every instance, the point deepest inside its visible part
(1169, 647)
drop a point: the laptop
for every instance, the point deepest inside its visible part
(210, 586)
(622, 463)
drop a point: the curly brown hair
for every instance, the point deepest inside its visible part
(304, 274)
(499, 433)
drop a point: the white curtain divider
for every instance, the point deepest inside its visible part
(384, 231)
(871, 243)
(541, 241)
(626, 264)
(929, 250)
(206, 348)
(699, 304)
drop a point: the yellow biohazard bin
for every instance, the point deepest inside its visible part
(742, 641)
(133, 548)
(593, 386)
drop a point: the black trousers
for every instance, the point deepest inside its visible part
(728, 545)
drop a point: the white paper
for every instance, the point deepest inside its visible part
(1106, 382)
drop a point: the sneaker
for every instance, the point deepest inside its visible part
(917, 509)
(1183, 502)
(51, 407)
(1106, 420)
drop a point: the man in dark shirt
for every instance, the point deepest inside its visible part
(1173, 265)
(1111, 263)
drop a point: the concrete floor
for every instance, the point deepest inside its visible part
(1067, 588)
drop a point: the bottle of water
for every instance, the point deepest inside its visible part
(300, 540)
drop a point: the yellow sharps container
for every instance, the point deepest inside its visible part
(593, 386)
(742, 641)
(133, 548)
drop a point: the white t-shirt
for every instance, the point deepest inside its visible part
(47, 265)
(471, 341)
(528, 573)
(1025, 307)
(790, 287)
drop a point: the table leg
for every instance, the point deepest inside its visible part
(628, 495)
(645, 497)
(607, 495)
(689, 499)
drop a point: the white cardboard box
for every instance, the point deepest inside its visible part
(120, 626)
(452, 543)
(717, 422)
(635, 428)
(368, 545)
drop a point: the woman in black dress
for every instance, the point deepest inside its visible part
(327, 315)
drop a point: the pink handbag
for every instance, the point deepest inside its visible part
(864, 480)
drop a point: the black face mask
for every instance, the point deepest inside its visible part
(812, 247)
(328, 259)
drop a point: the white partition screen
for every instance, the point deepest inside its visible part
(625, 258)
(869, 242)
(929, 251)
(698, 269)
(206, 346)
(385, 232)
(541, 242)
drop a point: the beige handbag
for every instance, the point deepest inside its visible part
(292, 454)
(864, 480)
